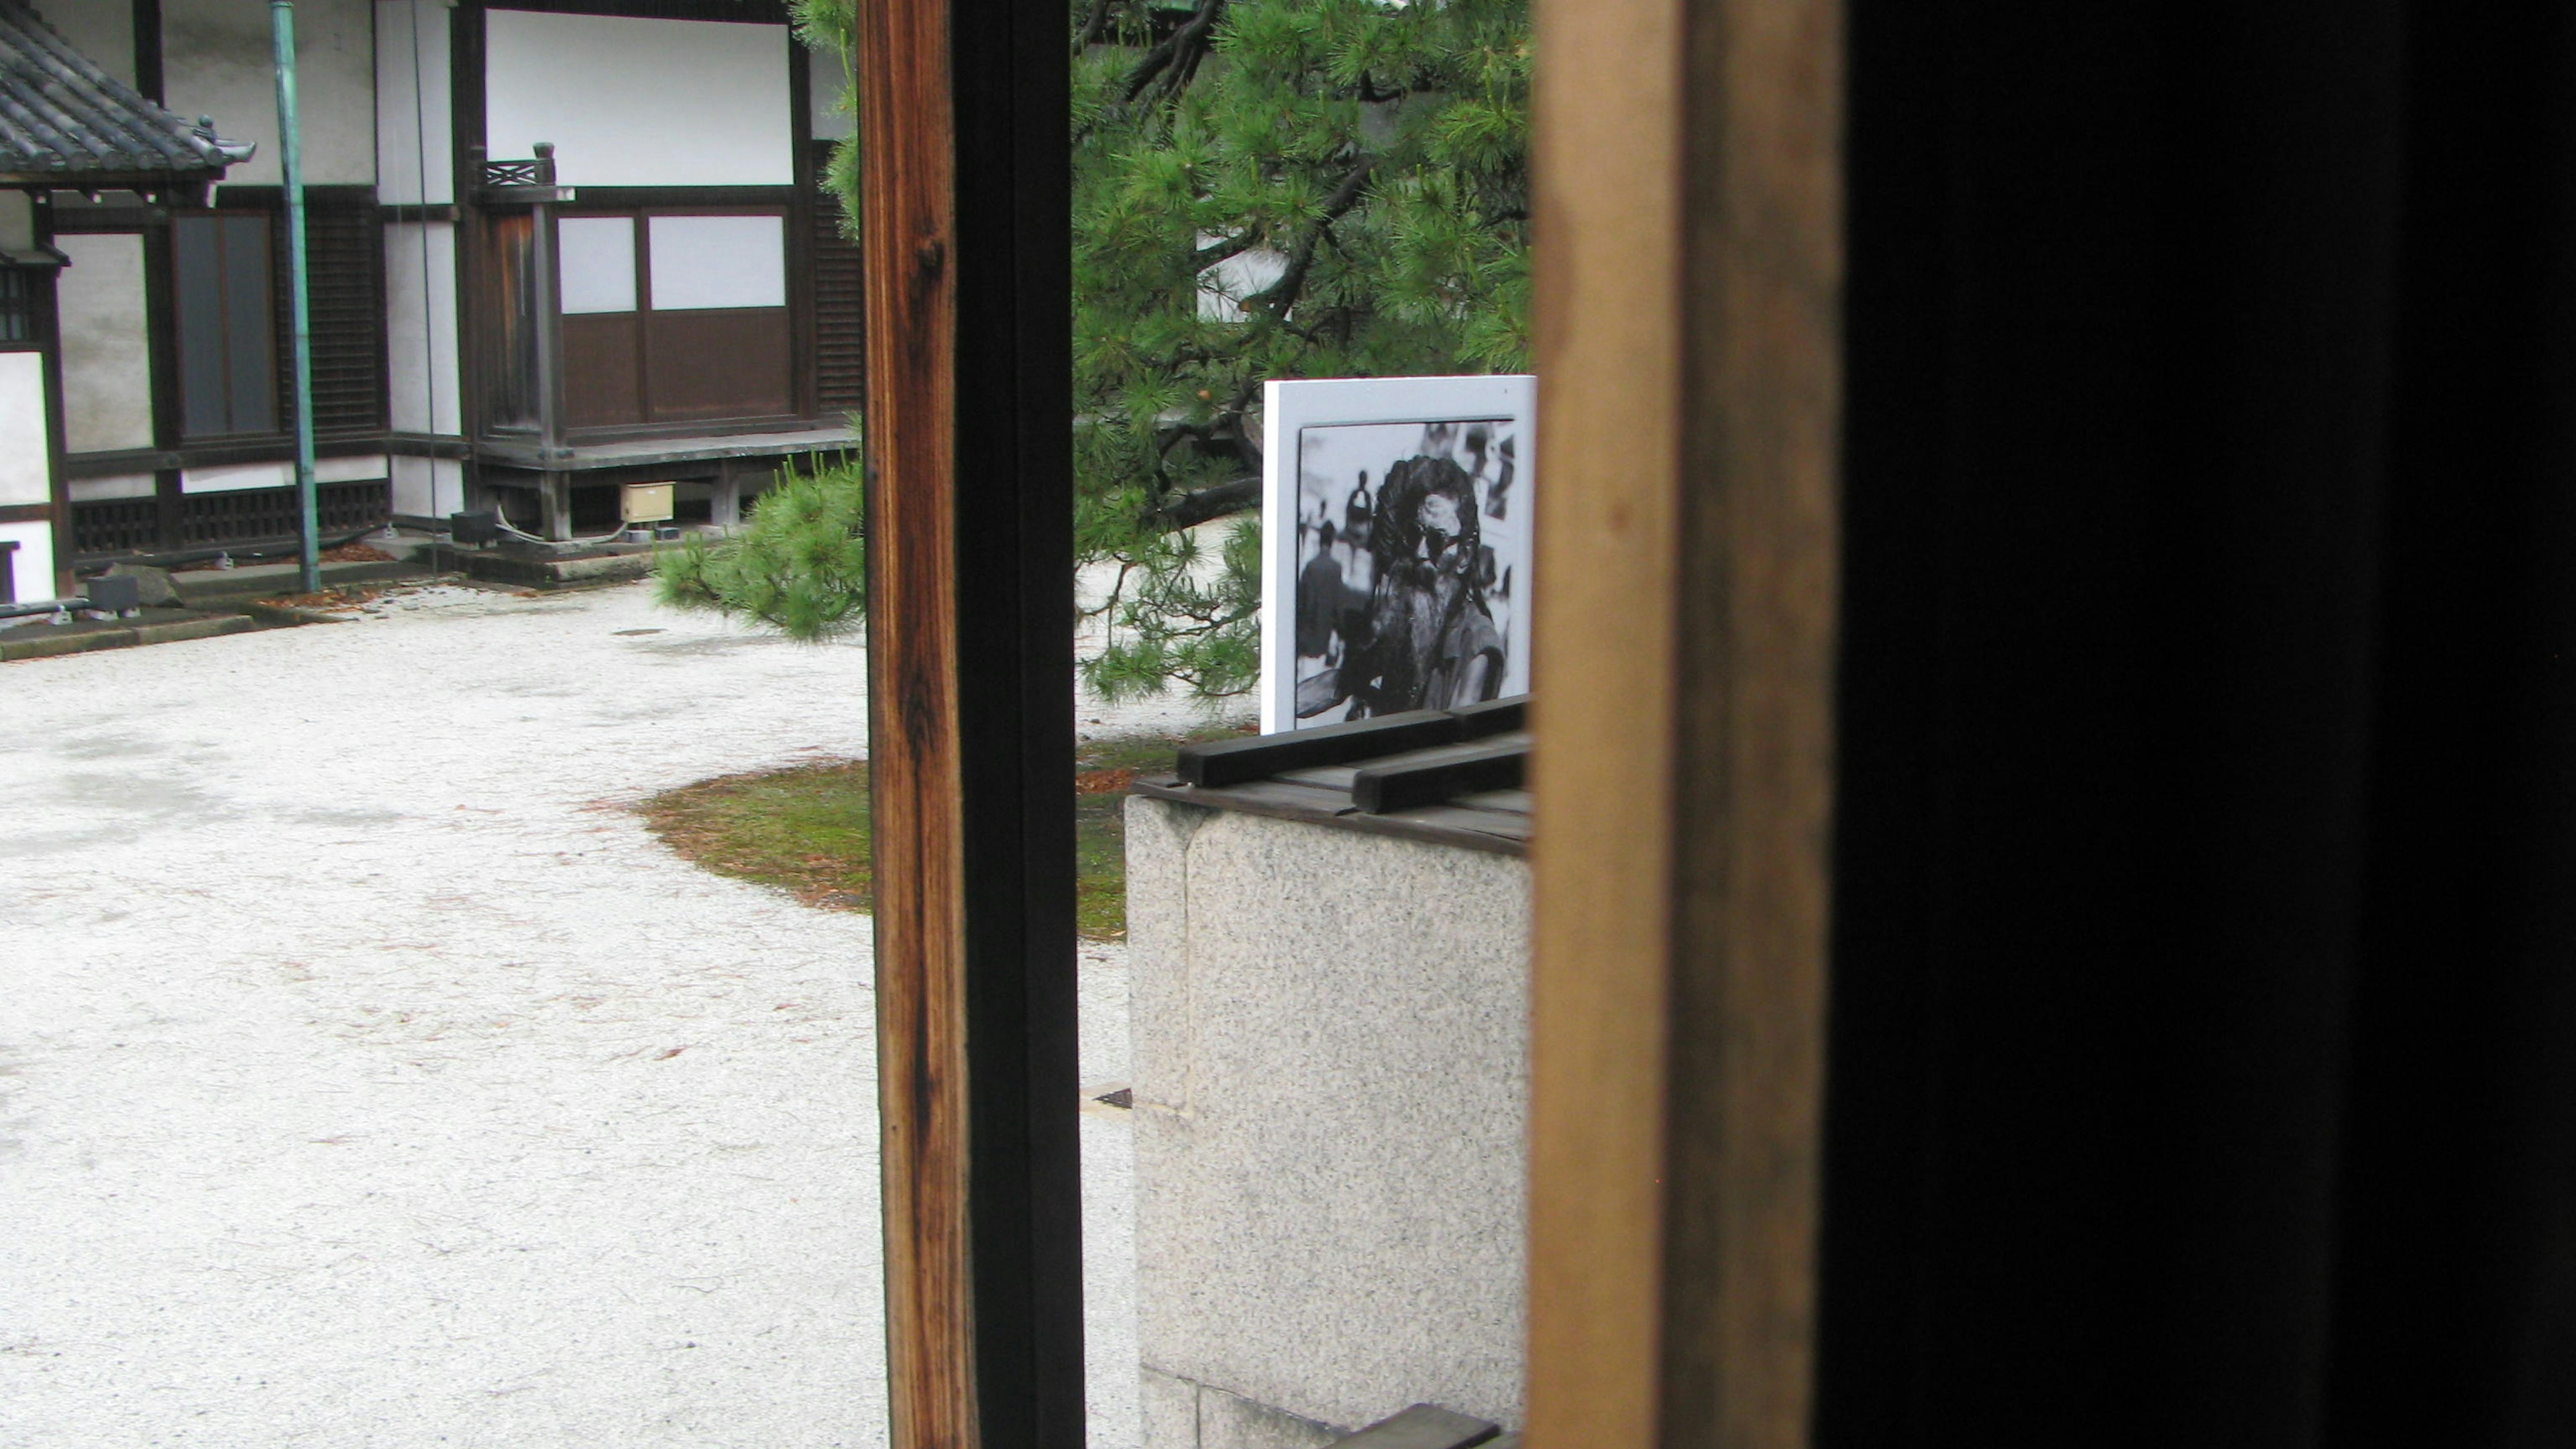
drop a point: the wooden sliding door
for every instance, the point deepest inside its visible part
(675, 315)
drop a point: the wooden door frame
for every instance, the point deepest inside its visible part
(970, 514)
(1689, 189)
(1688, 302)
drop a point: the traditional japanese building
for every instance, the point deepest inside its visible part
(554, 246)
(66, 127)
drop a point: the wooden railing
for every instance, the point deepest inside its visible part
(537, 172)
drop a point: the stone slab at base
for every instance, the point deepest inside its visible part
(49, 641)
(610, 564)
(218, 588)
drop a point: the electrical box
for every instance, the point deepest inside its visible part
(645, 502)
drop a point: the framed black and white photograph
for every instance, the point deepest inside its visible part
(1396, 545)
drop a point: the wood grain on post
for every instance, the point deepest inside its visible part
(908, 215)
(1688, 289)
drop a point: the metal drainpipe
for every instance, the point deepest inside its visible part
(291, 154)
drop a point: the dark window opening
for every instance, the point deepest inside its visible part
(17, 305)
(227, 334)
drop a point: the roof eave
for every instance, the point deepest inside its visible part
(87, 180)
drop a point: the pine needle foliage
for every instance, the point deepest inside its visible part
(799, 566)
(1261, 189)
(1270, 189)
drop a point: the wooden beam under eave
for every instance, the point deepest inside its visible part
(1688, 294)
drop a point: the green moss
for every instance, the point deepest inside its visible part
(804, 829)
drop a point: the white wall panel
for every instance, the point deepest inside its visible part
(415, 155)
(640, 102)
(107, 347)
(31, 567)
(420, 335)
(428, 487)
(229, 477)
(718, 261)
(217, 61)
(103, 30)
(361, 468)
(596, 258)
(25, 475)
(103, 490)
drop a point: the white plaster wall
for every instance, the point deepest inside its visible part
(411, 39)
(32, 566)
(718, 261)
(103, 30)
(231, 477)
(640, 102)
(216, 60)
(364, 468)
(428, 487)
(25, 476)
(104, 490)
(420, 333)
(107, 350)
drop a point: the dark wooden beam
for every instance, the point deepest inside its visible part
(1688, 294)
(969, 396)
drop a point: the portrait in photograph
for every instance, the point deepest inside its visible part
(1398, 547)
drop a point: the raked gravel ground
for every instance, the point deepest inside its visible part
(369, 1077)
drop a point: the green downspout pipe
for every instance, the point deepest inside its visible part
(291, 152)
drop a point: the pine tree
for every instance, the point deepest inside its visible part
(1261, 189)
(1270, 189)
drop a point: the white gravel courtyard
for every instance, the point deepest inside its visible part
(370, 1077)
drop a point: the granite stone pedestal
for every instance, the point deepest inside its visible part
(1330, 1041)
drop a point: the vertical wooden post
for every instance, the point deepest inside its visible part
(968, 437)
(1688, 329)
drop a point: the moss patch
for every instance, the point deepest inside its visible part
(804, 829)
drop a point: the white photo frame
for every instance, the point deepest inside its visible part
(1456, 588)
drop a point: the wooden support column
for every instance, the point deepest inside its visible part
(554, 506)
(968, 407)
(1688, 276)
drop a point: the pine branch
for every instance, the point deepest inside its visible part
(1188, 510)
(1178, 52)
(1281, 295)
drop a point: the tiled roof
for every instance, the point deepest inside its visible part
(61, 117)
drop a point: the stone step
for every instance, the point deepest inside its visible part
(47, 641)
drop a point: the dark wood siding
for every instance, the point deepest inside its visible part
(345, 256)
(244, 515)
(602, 369)
(728, 362)
(840, 331)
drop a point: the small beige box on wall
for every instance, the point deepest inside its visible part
(646, 503)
